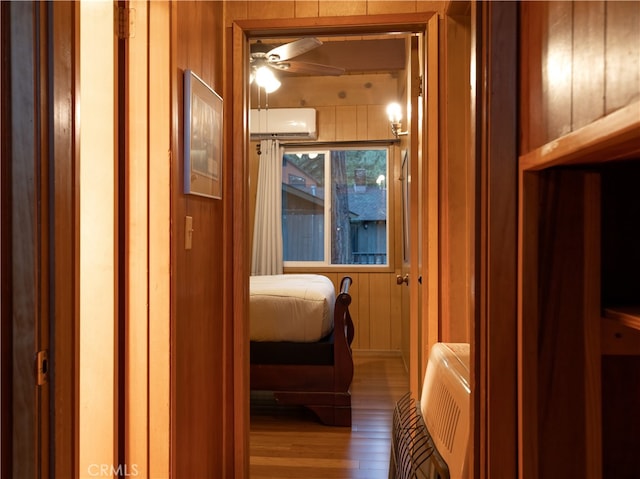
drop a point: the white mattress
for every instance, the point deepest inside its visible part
(291, 307)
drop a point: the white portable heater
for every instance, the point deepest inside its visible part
(431, 438)
(445, 404)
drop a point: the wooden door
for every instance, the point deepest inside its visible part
(38, 240)
(25, 320)
(430, 197)
(413, 160)
(424, 203)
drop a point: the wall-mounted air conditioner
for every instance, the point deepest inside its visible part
(283, 124)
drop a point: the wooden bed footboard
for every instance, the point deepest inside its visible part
(319, 381)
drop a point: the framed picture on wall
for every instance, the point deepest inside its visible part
(202, 138)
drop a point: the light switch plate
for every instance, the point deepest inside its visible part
(188, 232)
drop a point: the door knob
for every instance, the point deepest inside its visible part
(400, 279)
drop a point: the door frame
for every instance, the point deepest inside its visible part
(242, 31)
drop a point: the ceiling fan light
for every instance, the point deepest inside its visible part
(266, 79)
(272, 85)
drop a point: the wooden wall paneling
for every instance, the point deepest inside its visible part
(622, 60)
(558, 66)
(346, 122)
(335, 279)
(326, 123)
(561, 412)
(432, 6)
(455, 8)
(307, 8)
(362, 123)
(377, 122)
(588, 56)
(330, 8)
(380, 312)
(528, 293)
(497, 271)
(533, 121)
(198, 318)
(399, 6)
(234, 11)
(260, 9)
(561, 40)
(363, 312)
(394, 320)
(592, 325)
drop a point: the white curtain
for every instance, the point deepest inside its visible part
(266, 255)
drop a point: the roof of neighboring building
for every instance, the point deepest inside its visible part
(367, 204)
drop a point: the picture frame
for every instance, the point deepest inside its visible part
(203, 141)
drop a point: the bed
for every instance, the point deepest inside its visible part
(301, 335)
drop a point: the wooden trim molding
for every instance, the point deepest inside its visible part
(617, 134)
(495, 353)
(356, 24)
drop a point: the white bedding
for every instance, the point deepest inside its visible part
(291, 307)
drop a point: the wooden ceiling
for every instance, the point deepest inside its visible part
(372, 66)
(360, 55)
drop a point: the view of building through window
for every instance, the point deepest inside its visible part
(334, 206)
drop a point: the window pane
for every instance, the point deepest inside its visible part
(303, 207)
(351, 203)
(359, 207)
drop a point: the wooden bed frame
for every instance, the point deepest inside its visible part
(315, 375)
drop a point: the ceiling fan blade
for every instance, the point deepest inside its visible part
(308, 68)
(293, 49)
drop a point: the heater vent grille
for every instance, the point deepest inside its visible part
(443, 416)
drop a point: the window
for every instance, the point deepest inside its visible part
(334, 206)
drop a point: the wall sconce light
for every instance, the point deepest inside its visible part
(394, 112)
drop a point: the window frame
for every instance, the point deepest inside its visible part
(326, 265)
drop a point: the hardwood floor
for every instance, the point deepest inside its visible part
(291, 442)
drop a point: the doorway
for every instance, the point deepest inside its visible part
(246, 31)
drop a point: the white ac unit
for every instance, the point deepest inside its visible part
(283, 124)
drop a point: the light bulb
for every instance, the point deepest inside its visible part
(394, 112)
(266, 79)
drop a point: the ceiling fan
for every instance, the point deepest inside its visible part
(265, 58)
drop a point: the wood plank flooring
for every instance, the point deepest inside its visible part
(292, 443)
